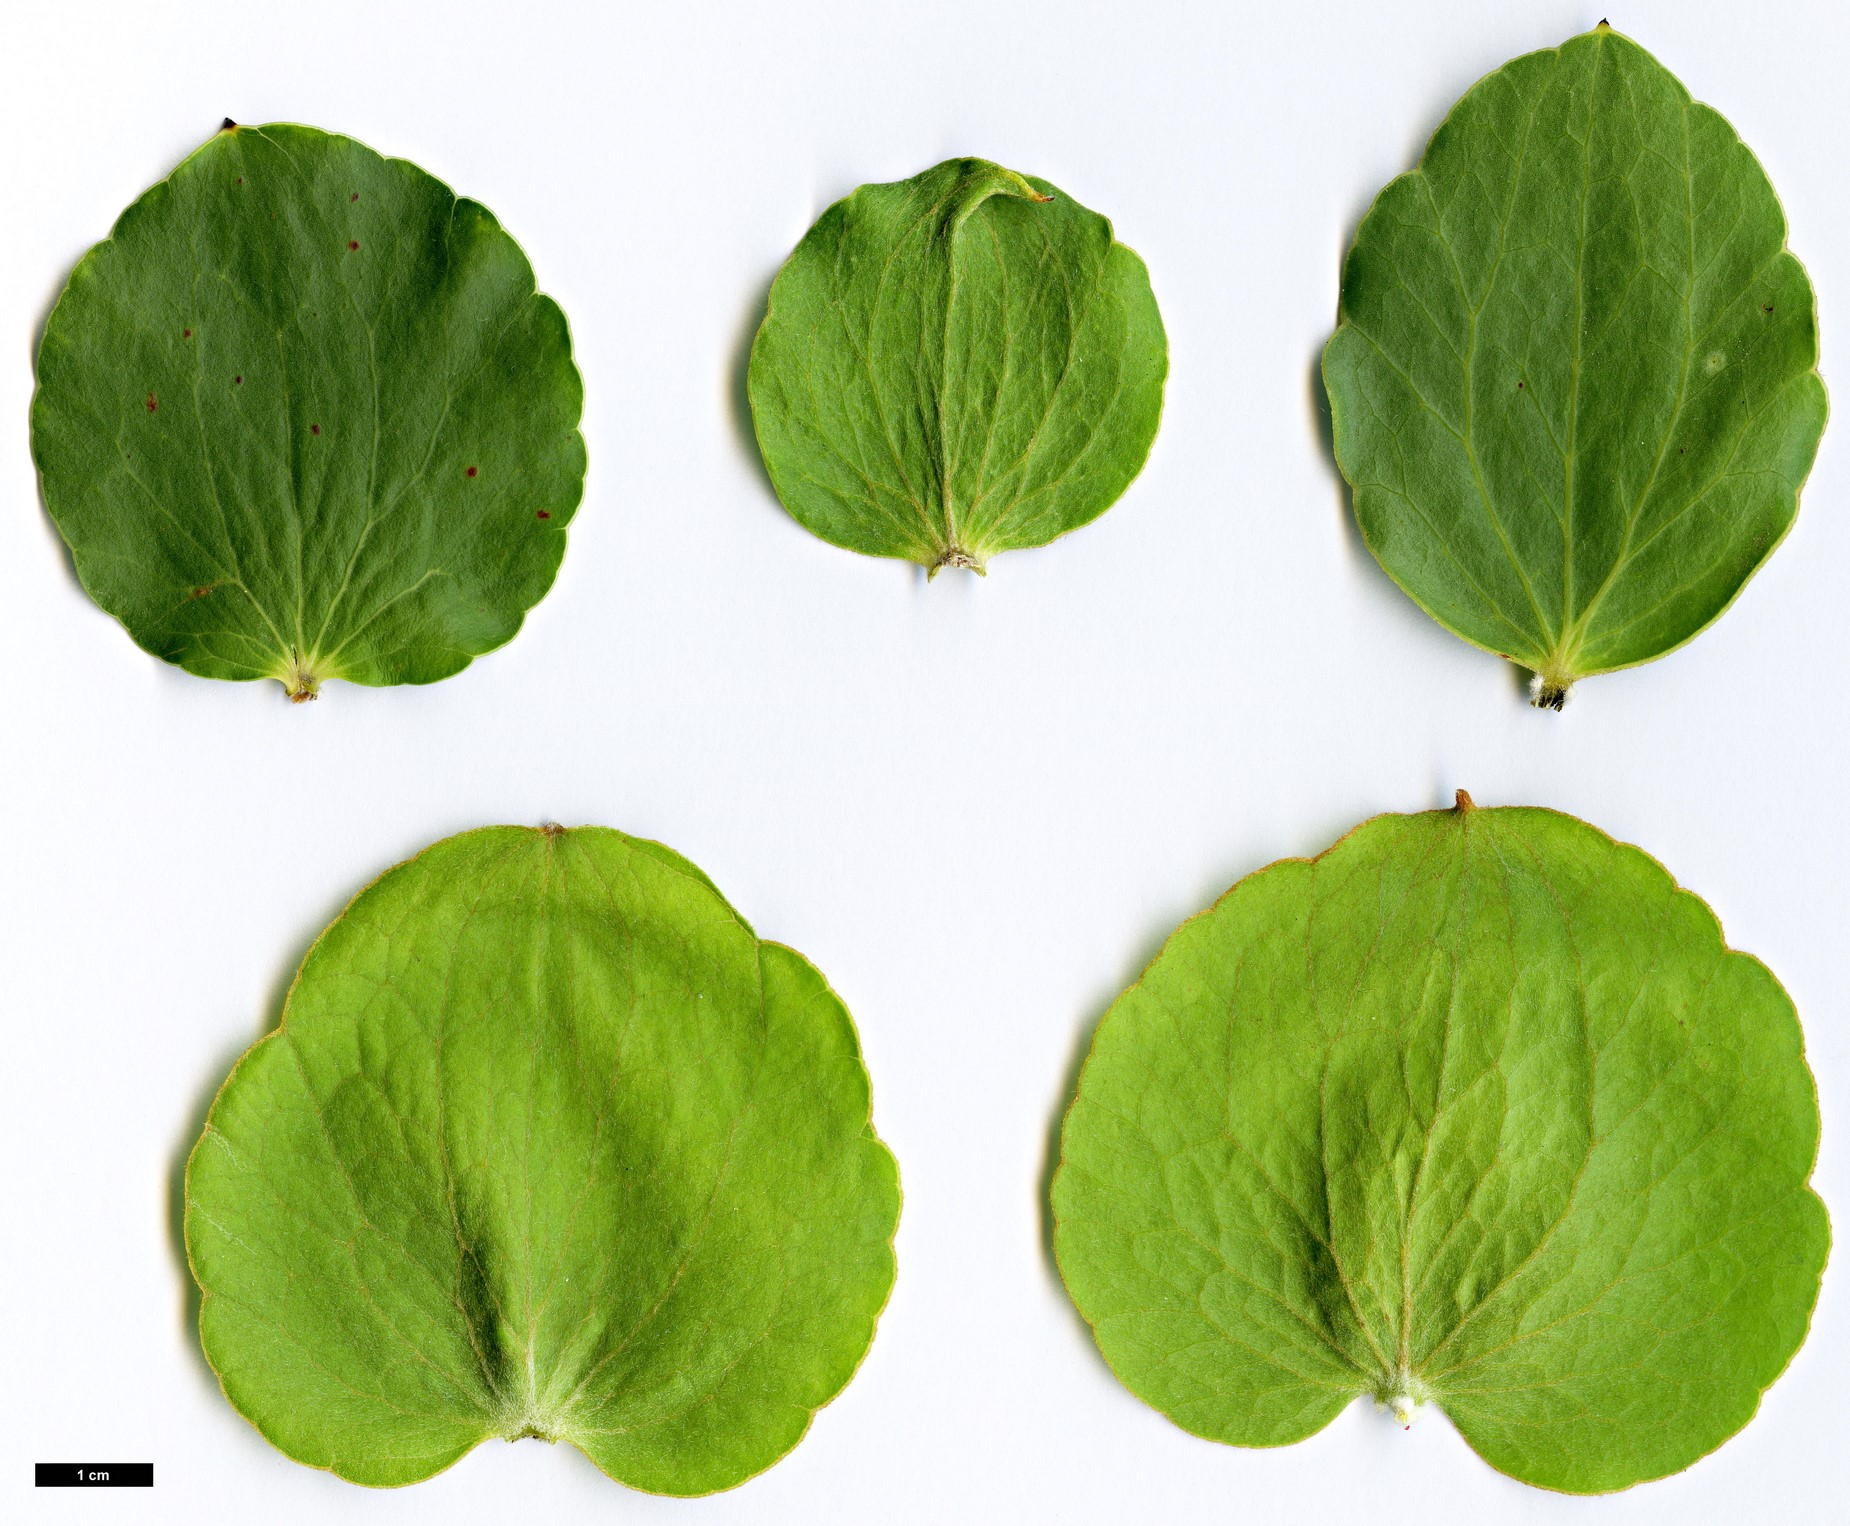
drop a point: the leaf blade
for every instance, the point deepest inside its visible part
(1559, 337)
(548, 1144)
(1476, 1108)
(956, 365)
(276, 423)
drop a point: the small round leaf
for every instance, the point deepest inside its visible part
(956, 365)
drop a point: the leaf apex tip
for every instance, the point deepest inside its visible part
(1462, 801)
(227, 125)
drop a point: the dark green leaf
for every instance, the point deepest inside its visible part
(303, 416)
(1574, 386)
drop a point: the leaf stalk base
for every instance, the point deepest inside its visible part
(956, 556)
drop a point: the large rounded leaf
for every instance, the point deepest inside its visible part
(548, 1144)
(1574, 384)
(956, 365)
(1474, 1109)
(302, 416)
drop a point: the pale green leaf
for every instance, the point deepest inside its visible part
(303, 416)
(1574, 387)
(957, 365)
(548, 1144)
(1475, 1109)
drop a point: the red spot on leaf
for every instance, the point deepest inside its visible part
(544, 515)
(200, 593)
(354, 197)
(314, 429)
(353, 244)
(237, 381)
(186, 333)
(150, 402)
(470, 472)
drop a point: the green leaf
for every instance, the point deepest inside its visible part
(1574, 386)
(303, 416)
(548, 1144)
(1475, 1109)
(956, 365)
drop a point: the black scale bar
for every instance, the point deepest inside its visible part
(94, 1475)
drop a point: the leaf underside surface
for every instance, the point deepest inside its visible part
(956, 365)
(548, 1144)
(1475, 1109)
(303, 416)
(1574, 385)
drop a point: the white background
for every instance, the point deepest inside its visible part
(977, 805)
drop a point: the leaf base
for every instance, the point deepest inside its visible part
(1402, 1394)
(302, 684)
(1546, 693)
(956, 556)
